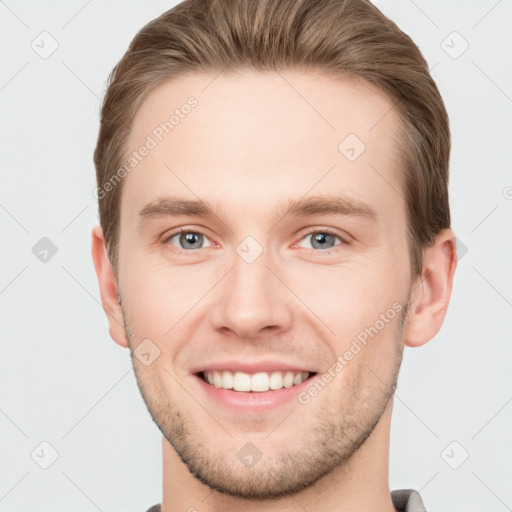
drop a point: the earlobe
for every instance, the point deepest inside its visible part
(431, 292)
(108, 287)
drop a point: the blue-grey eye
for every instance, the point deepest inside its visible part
(321, 240)
(188, 240)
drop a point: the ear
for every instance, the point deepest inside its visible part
(431, 291)
(108, 288)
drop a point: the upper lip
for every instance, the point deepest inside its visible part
(246, 367)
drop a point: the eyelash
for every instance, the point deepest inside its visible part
(327, 231)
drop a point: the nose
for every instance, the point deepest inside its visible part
(252, 300)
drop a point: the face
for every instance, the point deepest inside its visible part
(263, 241)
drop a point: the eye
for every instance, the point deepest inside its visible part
(190, 240)
(187, 239)
(323, 239)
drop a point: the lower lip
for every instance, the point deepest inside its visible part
(254, 401)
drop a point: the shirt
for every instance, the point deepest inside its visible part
(404, 500)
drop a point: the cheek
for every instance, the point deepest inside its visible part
(346, 292)
(159, 296)
(356, 305)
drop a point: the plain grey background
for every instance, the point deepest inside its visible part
(66, 384)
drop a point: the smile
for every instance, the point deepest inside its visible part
(258, 382)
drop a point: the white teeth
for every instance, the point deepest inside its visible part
(217, 379)
(258, 382)
(227, 380)
(297, 379)
(276, 380)
(241, 382)
(288, 380)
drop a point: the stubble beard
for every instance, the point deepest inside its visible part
(339, 430)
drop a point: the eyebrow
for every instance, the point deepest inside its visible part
(313, 205)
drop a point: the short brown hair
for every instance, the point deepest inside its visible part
(349, 38)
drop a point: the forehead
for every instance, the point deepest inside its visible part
(251, 135)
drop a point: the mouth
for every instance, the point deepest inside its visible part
(251, 386)
(260, 382)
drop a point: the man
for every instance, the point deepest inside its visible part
(272, 184)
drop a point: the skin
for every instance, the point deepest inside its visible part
(254, 142)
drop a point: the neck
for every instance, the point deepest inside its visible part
(359, 485)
